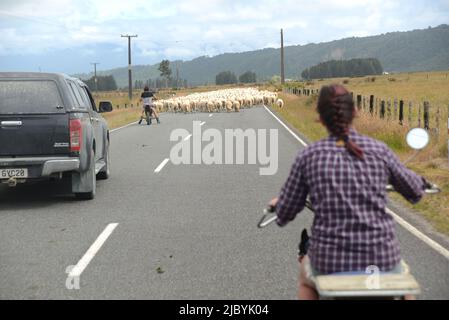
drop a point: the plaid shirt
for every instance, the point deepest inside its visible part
(351, 229)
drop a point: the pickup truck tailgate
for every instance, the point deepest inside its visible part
(34, 135)
(33, 120)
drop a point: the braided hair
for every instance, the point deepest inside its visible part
(336, 109)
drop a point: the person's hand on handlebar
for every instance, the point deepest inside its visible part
(272, 204)
(426, 184)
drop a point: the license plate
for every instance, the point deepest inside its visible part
(13, 173)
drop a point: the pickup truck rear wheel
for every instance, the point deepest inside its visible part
(105, 172)
(91, 180)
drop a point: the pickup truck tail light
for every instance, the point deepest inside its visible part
(75, 135)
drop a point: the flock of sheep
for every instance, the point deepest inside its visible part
(226, 100)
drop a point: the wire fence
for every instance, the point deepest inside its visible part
(421, 114)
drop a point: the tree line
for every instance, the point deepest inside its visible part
(228, 77)
(160, 83)
(104, 83)
(343, 68)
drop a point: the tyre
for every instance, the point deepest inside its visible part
(90, 181)
(105, 172)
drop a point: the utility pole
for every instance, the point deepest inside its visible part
(95, 75)
(130, 84)
(177, 75)
(282, 58)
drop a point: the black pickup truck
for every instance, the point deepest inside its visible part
(50, 128)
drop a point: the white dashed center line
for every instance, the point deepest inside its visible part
(162, 165)
(90, 254)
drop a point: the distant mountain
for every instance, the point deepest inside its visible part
(417, 50)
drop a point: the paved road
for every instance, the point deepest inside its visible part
(195, 224)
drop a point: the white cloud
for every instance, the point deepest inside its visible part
(185, 29)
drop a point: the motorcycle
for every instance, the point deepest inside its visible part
(362, 285)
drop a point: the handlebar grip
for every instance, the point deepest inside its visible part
(432, 189)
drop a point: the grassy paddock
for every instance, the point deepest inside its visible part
(432, 162)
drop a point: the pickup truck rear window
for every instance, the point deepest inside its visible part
(29, 96)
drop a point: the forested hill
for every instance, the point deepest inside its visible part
(416, 50)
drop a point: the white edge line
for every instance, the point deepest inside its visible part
(435, 245)
(163, 163)
(285, 126)
(119, 128)
(188, 137)
(431, 243)
(92, 251)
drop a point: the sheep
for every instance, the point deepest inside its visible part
(236, 105)
(216, 101)
(280, 103)
(228, 106)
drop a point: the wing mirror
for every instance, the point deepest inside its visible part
(417, 138)
(105, 106)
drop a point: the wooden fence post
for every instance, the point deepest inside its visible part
(426, 115)
(371, 104)
(419, 115)
(359, 101)
(437, 123)
(376, 111)
(388, 109)
(410, 107)
(382, 109)
(395, 108)
(401, 112)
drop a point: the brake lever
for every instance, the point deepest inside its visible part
(267, 211)
(272, 209)
(434, 189)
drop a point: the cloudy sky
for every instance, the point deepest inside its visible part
(66, 35)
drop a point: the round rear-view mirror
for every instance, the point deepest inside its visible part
(417, 138)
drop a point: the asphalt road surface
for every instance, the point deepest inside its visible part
(184, 232)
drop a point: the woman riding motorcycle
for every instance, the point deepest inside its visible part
(345, 176)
